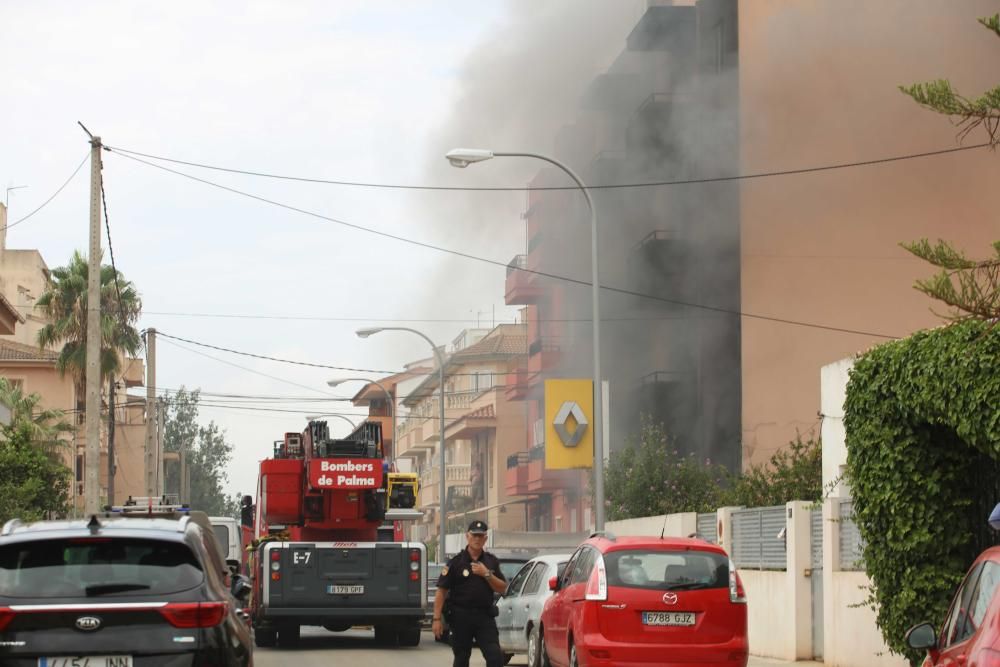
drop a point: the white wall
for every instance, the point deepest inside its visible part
(833, 391)
(856, 639)
(676, 525)
(770, 611)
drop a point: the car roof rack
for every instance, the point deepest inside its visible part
(9, 527)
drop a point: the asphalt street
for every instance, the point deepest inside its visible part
(320, 648)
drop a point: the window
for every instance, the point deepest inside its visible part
(222, 537)
(667, 570)
(958, 627)
(17, 383)
(514, 589)
(584, 564)
(985, 590)
(97, 566)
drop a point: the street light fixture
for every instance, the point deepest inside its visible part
(392, 403)
(463, 157)
(315, 417)
(442, 513)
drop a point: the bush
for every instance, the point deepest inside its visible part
(793, 473)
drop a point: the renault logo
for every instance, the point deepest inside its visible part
(88, 623)
(570, 439)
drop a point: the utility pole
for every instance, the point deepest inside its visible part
(161, 425)
(92, 453)
(185, 479)
(151, 412)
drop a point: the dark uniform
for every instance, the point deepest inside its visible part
(470, 608)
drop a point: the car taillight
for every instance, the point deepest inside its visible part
(597, 585)
(736, 593)
(415, 555)
(275, 555)
(194, 614)
(6, 616)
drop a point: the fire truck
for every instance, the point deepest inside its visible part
(325, 543)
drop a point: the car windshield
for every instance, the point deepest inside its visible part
(96, 567)
(509, 568)
(667, 570)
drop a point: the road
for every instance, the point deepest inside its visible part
(319, 648)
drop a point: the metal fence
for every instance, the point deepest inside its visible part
(759, 538)
(851, 544)
(707, 527)
(816, 539)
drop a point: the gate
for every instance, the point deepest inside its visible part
(816, 580)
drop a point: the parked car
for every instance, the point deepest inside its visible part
(116, 592)
(433, 573)
(521, 607)
(970, 634)
(635, 600)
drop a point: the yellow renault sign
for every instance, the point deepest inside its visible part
(569, 424)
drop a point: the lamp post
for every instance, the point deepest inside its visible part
(463, 157)
(315, 417)
(392, 403)
(442, 530)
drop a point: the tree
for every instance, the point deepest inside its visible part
(794, 472)
(967, 114)
(42, 427)
(649, 477)
(34, 482)
(207, 451)
(64, 305)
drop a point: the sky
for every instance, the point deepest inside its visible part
(356, 91)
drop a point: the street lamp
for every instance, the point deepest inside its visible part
(315, 417)
(392, 403)
(442, 531)
(463, 157)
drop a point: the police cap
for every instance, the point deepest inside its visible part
(478, 528)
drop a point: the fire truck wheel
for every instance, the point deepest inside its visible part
(264, 638)
(385, 635)
(288, 635)
(409, 635)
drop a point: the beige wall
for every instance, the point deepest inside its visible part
(22, 280)
(818, 86)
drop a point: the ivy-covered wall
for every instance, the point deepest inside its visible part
(922, 417)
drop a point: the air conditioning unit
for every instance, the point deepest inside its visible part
(538, 433)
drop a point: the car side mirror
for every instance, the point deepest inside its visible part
(241, 587)
(554, 584)
(921, 637)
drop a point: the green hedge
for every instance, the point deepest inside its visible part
(922, 418)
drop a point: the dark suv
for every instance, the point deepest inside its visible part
(120, 592)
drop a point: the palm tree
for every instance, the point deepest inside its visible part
(64, 304)
(44, 426)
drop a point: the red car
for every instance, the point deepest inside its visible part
(970, 635)
(645, 601)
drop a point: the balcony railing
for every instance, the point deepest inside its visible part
(461, 472)
(519, 262)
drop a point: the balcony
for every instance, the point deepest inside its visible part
(543, 356)
(517, 387)
(659, 266)
(527, 474)
(520, 286)
(457, 477)
(665, 28)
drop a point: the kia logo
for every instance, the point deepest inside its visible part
(670, 598)
(88, 623)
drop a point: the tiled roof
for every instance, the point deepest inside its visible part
(505, 340)
(12, 351)
(9, 306)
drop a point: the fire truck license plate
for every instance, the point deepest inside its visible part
(667, 618)
(334, 589)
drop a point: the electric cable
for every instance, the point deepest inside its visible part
(485, 260)
(54, 194)
(607, 186)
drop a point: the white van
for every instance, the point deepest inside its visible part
(227, 534)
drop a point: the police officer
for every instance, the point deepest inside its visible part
(468, 583)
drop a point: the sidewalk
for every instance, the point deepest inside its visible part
(756, 661)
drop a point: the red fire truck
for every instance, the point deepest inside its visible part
(325, 547)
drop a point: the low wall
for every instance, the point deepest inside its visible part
(851, 637)
(770, 613)
(675, 525)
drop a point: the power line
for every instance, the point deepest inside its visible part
(111, 251)
(609, 186)
(485, 260)
(54, 194)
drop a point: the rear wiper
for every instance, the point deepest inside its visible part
(688, 587)
(105, 589)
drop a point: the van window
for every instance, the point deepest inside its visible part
(222, 537)
(96, 567)
(667, 570)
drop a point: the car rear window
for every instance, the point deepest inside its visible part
(510, 567)
(96, 567)
(667, 570)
